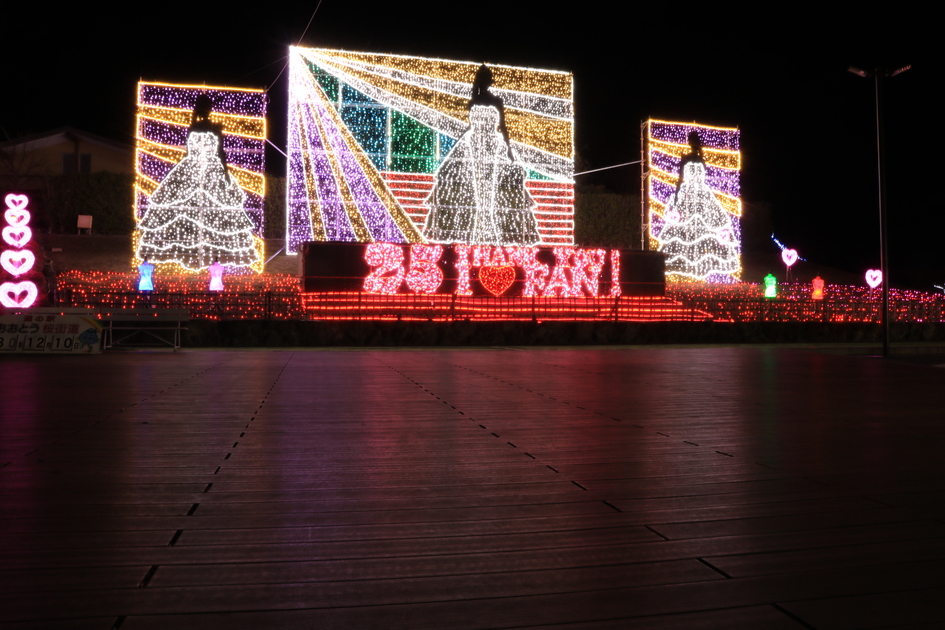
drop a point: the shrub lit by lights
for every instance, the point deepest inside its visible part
(384, 148)
(693, 199)
(200, 183)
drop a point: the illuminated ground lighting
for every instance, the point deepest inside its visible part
(368, 134)
(280, 297)
(233, 231)
(798, 302)
(695, 222)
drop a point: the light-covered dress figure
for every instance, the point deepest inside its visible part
(698, 237)
(479, 193)
(196, 215)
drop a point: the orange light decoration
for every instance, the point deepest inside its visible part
(817, 288)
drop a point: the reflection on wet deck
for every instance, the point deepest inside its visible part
(605, 488)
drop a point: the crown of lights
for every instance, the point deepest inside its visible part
(694, 215)
(17, 261)
(368, 133)
(191, 207)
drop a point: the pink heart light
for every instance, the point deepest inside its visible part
(789, 256)
(15, 202)
(17, 263)
(17, 295)
(874, 278)
(672, 216)
(725, 236)
(15, 216)
(17, 236)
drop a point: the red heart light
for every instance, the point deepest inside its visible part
(497, 278)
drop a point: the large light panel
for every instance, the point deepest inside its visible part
(185, 241)
(377, 142)
(696, 223)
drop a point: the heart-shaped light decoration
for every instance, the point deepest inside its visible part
(15, 202)
(17, 236)
(17, 294)
(16, 216)
(17, 263)
(725, 236)
(497, 278)
(789, 256)
(673, 216)
(874, 278)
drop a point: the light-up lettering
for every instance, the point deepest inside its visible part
(575, 272)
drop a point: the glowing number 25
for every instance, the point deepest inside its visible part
(423, 276)
(384, 258)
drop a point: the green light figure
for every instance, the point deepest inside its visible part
(771, 286)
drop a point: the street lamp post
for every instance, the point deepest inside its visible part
(878, 75)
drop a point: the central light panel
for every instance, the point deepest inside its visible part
(398, 149)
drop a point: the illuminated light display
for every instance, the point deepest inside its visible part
(874, 277)
(388, 272)
(145, 273)
(17, 262)
(789, 256)
(424, 276)
(693, 199)
(479, 195)
(615, 271)
(385, 148)
(771, 286)
(574, 273)
(18, 294)
(247, 296)
(216, 276)
(497, 278)
(744, 302)
(817, 288)
(17, 236)
(200, 185)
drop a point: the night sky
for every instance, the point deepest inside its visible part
(808, 125)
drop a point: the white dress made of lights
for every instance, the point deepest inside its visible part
(697, 237)
(479, 193)
(196, 215)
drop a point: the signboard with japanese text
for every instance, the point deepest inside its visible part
(50, 332)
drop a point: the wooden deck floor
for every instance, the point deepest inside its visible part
(490, 488)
